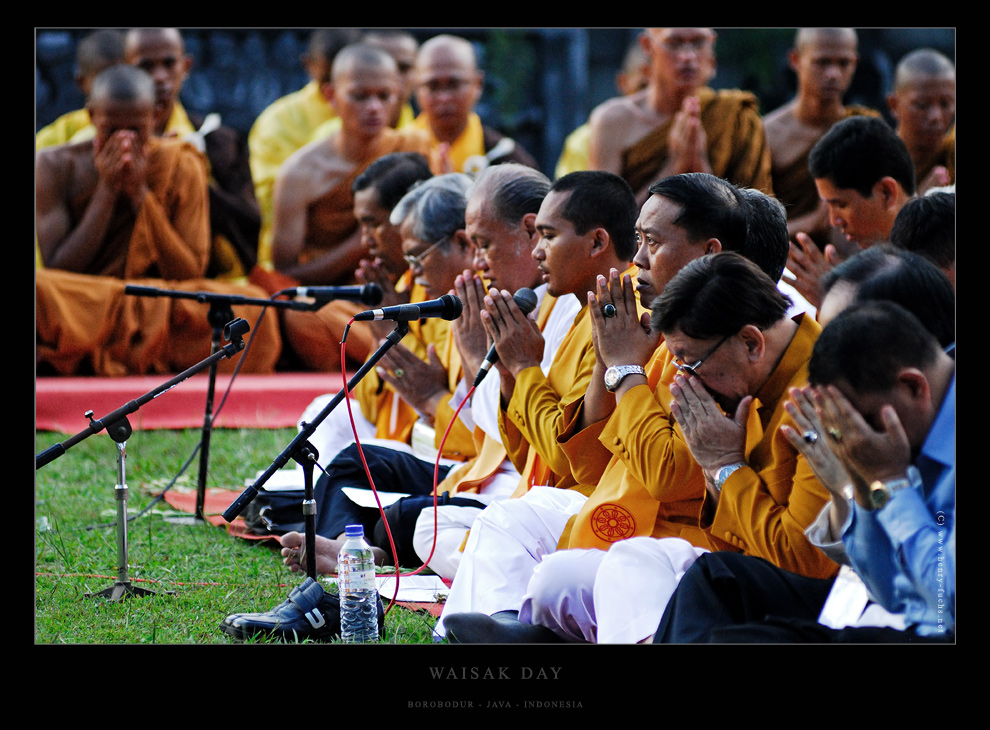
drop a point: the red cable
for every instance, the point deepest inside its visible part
(371, 481)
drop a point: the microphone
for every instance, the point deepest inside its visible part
(446, 307)
(525, 299)
(369, 294)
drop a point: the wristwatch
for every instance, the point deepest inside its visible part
(723, 472)
(615, 374)
(882, 490)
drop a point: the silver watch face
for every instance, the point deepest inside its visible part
(612, 378)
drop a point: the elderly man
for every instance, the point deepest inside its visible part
(883, 400)
(448, 87)
(677, 124)
(687, 217)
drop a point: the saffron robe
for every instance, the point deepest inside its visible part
(84, 319)
(737, 145)
(652, 486)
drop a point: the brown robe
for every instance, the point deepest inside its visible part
(315, 336)
(737, 145)
(86, 323)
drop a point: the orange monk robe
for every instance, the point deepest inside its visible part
(88, 323)
(944, 156)
(315, 336)
(737, 146)
(652, 485)
(86, 317)
(479, 471)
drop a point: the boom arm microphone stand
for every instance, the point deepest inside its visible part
(219, 313)
(305, 454)
(119, 429)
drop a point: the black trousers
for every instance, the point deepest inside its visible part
(733, 598)
(392, 471)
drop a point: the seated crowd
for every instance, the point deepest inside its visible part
(722, 402)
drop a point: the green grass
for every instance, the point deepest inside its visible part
(199, 573)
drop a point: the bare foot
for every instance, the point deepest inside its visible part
(294, 552)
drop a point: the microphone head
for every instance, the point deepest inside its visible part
(525, 299)
(452, 307)
(371, 295)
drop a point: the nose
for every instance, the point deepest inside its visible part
(538, 253)
(834, 218)
(641, 259)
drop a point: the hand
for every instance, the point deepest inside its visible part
(420, 384)
(374, 272)
(715, 440)
(808, 265)
(688, 141)
(626, 338)
(868, 454)
(517, 339)
(826, 466)
(134, 169)
(470, 335)
(937, 178)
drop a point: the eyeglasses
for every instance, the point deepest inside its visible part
(416, 262)
(693, 369)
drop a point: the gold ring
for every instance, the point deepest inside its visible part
(836, 434)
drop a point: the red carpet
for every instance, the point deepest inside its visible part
(255, 401)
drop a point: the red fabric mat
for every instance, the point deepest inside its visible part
(255, 401)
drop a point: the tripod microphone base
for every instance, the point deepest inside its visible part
(122, 589)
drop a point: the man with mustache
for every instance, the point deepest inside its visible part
(649, 483)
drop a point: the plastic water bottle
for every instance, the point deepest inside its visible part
(358, 589)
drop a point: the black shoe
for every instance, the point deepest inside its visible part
(308, 613)
(503, 627)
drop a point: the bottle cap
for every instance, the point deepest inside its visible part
(354, 531)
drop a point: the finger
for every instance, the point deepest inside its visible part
(741, 416)
(629, 295)
(796, 440)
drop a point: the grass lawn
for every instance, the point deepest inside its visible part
(200, 573)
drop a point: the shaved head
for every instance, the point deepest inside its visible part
(124, 83)
(447, 45)
(925, 63)
(136, 38)
(811, 36)
(363, 56)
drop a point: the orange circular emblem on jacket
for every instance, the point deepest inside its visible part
(610, 522)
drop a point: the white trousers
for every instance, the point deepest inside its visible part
(616, 596)
(507, 541)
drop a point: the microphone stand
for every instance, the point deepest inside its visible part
(119, 429)
(304, 453)
(219, 313)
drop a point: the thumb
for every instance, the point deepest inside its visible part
(742, 411)
(832, 255)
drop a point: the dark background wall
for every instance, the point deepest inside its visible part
(540, 83)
